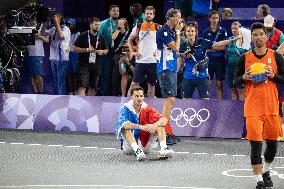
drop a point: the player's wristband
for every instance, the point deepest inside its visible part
(177, 32)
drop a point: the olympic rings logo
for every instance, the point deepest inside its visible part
(189, 116)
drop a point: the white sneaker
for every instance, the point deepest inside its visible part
(140, 156)
(166, 153)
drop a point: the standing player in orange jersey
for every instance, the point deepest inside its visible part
(261, 107)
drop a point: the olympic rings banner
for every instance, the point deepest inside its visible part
(200, 118)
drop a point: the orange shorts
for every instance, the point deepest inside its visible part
(261, 128)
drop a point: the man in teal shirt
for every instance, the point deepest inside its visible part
(107, 28)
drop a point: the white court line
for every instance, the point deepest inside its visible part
(239, 155)
(16, 143)
(34, 144)
(120, 186)
(109, 148)
(2, 142)
(220, 154)
(72, 146)
(279, 157)
(91, 147)
(54, 145)
(279, 167)
(182, 152)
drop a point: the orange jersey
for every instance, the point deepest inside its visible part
(261, 99)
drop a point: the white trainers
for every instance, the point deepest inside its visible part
(140, 156)
(166, 153)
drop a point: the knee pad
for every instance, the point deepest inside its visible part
(270, 151)
(255, 156)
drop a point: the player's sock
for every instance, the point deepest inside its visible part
(163, 144)
(258, 178)
(134, 146)
(266, 167)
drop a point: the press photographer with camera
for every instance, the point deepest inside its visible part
(59, 52)
(35, 56)
(9, 73)
(193, 51)
(123, 66)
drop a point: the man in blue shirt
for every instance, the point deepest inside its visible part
(216, 64)
(168, 43)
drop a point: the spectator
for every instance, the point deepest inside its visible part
(185, 6)
(136, 11)
(275, 36)
(59, 52)
(262, 11)
(146, 63)
(196, 62)
(121, 52)
(73, 59)
(168, 43)
(216, 66)
(227, 14)
(35, 58)
(214, 5)
(107, 28)
(90, 46)
(233, 55)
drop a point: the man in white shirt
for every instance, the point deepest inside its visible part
(35, 57)
(146, 63)
(59, 52)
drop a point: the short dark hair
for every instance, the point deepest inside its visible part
(172, 13)
(265, 9)
(151, 8)
(112, 6)
(237, 23)
(257, 25)
(137, 6)
(94, 19)
(212, 13)
(136, 88)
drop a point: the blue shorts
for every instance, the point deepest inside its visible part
(217, 67)
(35, 64)
(148, 69)
(189, 85)
(168, 83)
(73, 62)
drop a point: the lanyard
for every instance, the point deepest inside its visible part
(120, 43)
(89, 39)
(145, 34)
(218, 32)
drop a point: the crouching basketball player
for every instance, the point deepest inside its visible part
(139, 127)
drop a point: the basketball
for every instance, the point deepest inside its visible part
(258, 72)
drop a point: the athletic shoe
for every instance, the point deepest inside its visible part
(140, 156)
(260, 185)
(281, 139)
(178, 139)
(166, 153)
(170, 140)
(267, 180)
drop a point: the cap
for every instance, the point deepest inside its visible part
(71, 21)
(268, 21)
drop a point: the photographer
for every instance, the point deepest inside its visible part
(121, 52)
(10, 75)
(59, 52)
(34, 59)
(196, 62)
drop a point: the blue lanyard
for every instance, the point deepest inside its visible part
(120, 43)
